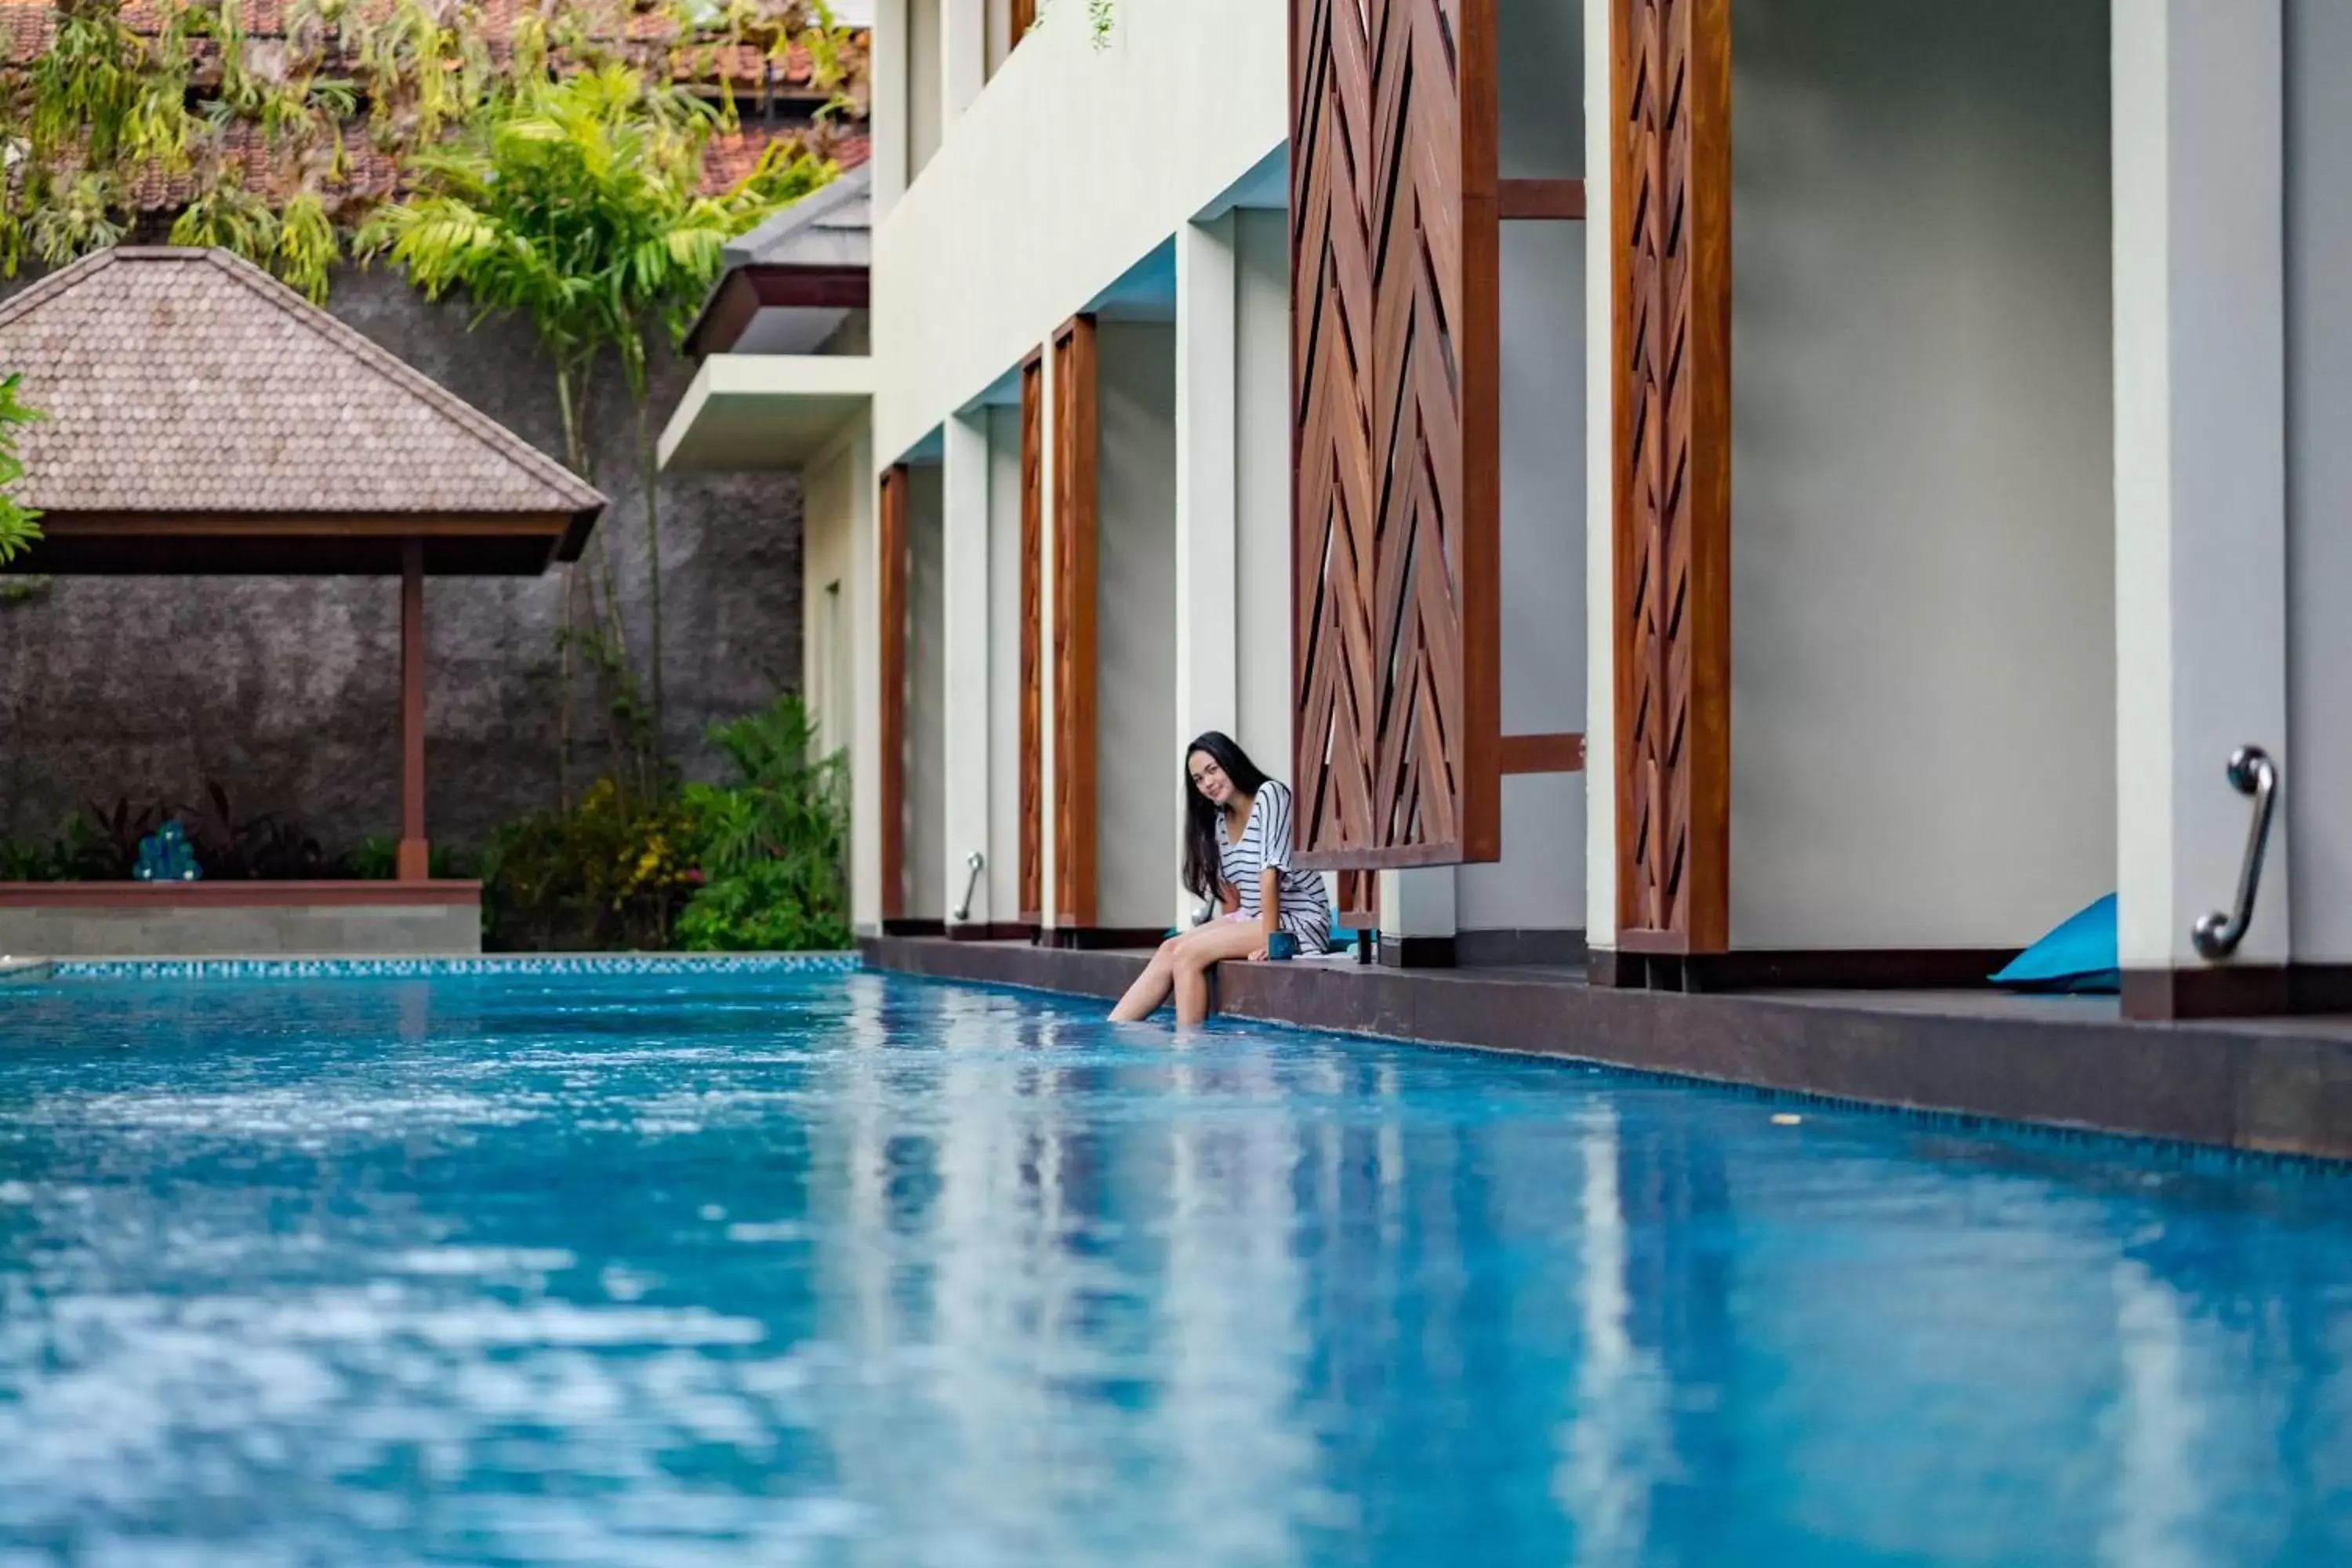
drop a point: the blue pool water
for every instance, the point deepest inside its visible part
(751, 1270)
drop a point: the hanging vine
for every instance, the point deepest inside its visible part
(278, 147)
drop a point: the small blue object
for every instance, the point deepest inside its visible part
(1282, 945)
(2079, 956)
(165, 855)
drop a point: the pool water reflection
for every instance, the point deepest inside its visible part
(741, 1269)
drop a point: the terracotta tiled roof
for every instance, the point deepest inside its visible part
(186, 381)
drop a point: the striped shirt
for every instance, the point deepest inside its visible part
(1265, 845)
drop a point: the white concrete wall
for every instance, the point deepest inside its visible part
(838, 548)
(926, 775)
(1004, 663)
(1018, 222)
(1923, 752)
(1599, 553)
(1262, 487)
(1000, 40)
(966, 744)
(2319, 474)
(925, 84)
(1538, 883)
(2201, 463)
(1138, 769)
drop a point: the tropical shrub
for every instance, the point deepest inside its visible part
(376, 858)
(577, 202)
(19, 524)
(772, 846)
(610, 873)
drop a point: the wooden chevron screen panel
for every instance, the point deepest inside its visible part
(1395, 505)
(1670, 204)
(1076, 498)
(891, 546)
(1033, 640)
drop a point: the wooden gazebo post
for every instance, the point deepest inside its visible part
(416, 859)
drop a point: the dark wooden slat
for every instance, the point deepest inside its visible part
(1556, 753)
(1670, 345)
(1032, 639)
(1024, 16)
(1076, 498)
(891, 546)
(1554, 199)
(1396, 503)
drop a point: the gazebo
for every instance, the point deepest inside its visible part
(203, 419)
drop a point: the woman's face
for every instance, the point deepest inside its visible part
(1209, 778)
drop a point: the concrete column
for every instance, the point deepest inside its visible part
(1208, 630)
(1417, 915)
(963, 479)
(1600, 480)
(2200, 526)
(887, 68)
(963, 50)
(865, 682)
(1049, 738)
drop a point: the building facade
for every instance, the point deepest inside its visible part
(1774, 492)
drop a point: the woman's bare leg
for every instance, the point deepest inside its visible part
(1150, 988)
(1197, 952)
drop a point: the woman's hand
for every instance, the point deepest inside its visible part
(1258, 954)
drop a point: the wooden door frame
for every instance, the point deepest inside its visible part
(1670, 377)
(1076, 504)
(1032, 898)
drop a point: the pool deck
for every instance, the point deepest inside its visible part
(2277, 1086)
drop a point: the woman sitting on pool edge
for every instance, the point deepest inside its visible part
(1238, 854)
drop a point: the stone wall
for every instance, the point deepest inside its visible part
(286, 689)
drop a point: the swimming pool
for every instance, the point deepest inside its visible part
(769, 1268)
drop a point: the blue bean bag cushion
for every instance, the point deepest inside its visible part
(2079, 956)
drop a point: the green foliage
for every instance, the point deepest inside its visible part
(754, 865)
(764, 908)
(116, 100)
(20, 524)
(774, 844)
(611, 873)
(82, 852)
(577, 203)
(376, 858)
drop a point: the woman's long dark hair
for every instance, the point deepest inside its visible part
(1201, 877)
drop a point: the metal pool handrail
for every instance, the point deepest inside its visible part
(970, 884)
(2251, 773)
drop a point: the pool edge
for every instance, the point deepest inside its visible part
(2254, 1087)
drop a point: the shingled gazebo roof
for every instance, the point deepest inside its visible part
(203, 417)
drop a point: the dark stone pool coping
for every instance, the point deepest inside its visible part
(2273, 1085)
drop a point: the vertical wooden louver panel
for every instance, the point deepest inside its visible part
(1033, 641)
(1074, 503)
(892, 545)
(1670, 200)
(1395, 505)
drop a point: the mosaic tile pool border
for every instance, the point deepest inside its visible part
(438, 968)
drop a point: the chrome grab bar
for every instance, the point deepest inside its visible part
(975, 860)
(2251, 773)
